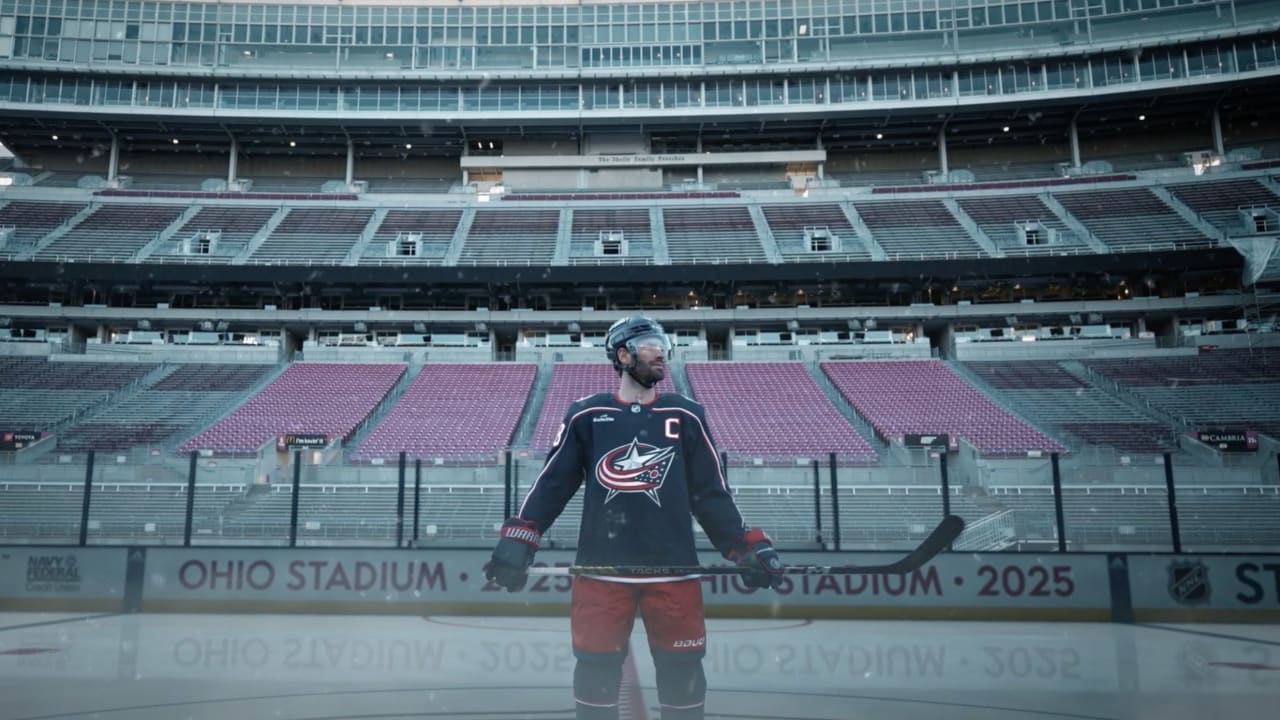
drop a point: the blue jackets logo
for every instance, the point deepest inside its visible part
(634, 468)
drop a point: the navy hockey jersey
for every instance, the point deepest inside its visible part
(648, 470)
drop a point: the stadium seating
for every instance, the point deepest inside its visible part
(1045, 391)
(306, 398)
(111, 232)
(33, 220)
(996, 215)
(453, 412)
(914, 229)
(925, 396)
(711, 234)
(1097, 518)
(634, 225)
(236, 224)
(513, 237)
(313, 235)
(1131, 220)
(39, 394)
(788, 223)
(1237, 388)
(187, 394)
(435, 229)
(1225, 517)
(773, 413)
(1219, 202)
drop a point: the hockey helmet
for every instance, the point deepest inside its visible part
(629, 333)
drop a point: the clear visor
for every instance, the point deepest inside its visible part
(654, 342)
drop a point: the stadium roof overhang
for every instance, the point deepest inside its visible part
(1046, 280)
(1029, 118)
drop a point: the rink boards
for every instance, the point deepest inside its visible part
(995, 586)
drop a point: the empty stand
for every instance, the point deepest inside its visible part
(515, 237)
(432, 228)
(453, 412)
(1229, 518)
(112, 231)
(633, 224)
(925, 396)
(909, 229)
(1043, 390)
(788, 224)
(236, 224)
(313, 235)
(33, 220)
(151, 416)
(38, 393)
(1219, 202)
(1097, 518)
(1238, 388)
(773, 412)
(712, 234)
(1132, 220)
(306, 398)
(996, 215)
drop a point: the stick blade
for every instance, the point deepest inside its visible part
(940, 539)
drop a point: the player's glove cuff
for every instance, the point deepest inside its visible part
(754, 552)
(509, 566)
(522, 531)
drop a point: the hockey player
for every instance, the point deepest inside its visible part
(649, 465)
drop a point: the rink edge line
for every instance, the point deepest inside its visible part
(1191, 615)
(800, 612)
(48, 604)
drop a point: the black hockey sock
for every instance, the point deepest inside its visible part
(596, 684)
(682, 685)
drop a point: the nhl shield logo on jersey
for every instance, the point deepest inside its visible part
(634, 468)
(1189, 582)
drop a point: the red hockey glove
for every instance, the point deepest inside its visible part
(754, 551)
(512, 556)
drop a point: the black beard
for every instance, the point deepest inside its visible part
(648, 375)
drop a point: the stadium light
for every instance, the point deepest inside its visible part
(1142, 117)
(293, 143)
(53, 137)
(1005, 128)
(879, 136)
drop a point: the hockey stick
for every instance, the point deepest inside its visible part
(940, 539)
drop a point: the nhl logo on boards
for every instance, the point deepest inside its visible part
(1189, 582)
